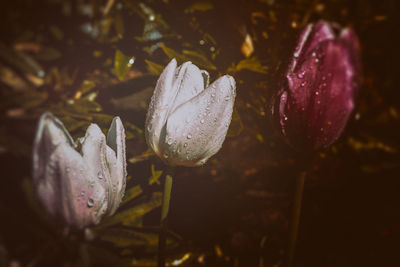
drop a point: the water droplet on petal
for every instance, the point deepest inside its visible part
(185, 144)
(100, 175)
(303, 84)
(166, 155)
(189, 136)
(202, 121)
(169, 142)
(300, 75)
(90, 202)
(82, 193)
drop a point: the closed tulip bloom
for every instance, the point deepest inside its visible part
(188, 119)
(83, 181)
(321, 84)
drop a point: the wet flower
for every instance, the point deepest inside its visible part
(318, 95)
(188, 119)
(83, 181)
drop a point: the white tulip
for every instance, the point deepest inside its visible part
(83, 181)
(188, 119)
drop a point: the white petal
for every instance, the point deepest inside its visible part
(116, 160)
(190, 81)
(163, 96)
(94, 155)
(82, 199)
(196, 130)
(50, 133)
(60, 176)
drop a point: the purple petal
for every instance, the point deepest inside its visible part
(322, 83)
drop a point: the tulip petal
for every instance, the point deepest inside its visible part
(309, 39)
(164, 94)
(190, 81)
(116, 160)
(80, 199)
(196, 129)
(334, 102)
(94, 155)
(50, 133)
(321, 91)
(57, 172)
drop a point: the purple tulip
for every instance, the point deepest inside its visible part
(318, 95)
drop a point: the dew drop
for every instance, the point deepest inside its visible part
(303, 84)
(212, 94)
(150, 127)
(169, 142)
(300, 75)
(166, 155)
(202, 121)
(189, 136)
(317, 93)
(100, 175)
(285, 118)
(185, 144)
(227, 98)
(90, 202)
(82, 193)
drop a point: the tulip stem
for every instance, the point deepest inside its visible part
(294, 224)
(163, 223)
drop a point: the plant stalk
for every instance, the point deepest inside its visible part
(294, 224)
(163, 223)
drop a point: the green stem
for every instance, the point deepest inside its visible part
(163, 222)
(294, 225)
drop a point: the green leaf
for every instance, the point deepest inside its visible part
(128, 237)
(199, 6)
(252, 64)
(86, 86)
(122, 64)
(133, 216)
(195, 57)
(154, 68)
(236, 126)
(82, 106)
(155, 176)
(131, 193)
(145, 155)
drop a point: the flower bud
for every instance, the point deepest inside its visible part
(318, 94)
(188, 119)
(83, 181)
